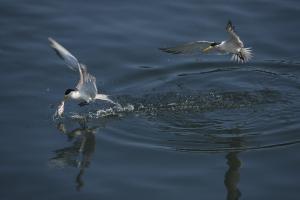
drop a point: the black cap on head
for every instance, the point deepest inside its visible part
(68, 91)
(214, 44)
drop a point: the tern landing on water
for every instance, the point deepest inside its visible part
(86, 89)
(233, 46)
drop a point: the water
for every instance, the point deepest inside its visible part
(188, 126)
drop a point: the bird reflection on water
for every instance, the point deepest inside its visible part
(80, 153)
(232, 175)
(207, 123)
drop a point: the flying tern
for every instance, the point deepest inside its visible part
(233, 45)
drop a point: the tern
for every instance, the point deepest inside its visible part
(86, 90)
(233, 46)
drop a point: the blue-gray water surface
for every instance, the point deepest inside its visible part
(191, 126)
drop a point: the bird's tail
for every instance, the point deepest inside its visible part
(246, 53)
(104, 97)
(244, 56)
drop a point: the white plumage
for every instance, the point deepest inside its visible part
(86, 89)
(233, 46)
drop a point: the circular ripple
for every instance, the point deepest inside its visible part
(198, 108)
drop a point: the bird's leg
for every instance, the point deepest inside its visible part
(84, 103)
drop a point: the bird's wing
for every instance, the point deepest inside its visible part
(87, 82)
(191, 47)
(233, 36)
(70, 60)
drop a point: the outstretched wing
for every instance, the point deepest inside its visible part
(70, 60)
(233, 36)
(192, 47)
(87, 82)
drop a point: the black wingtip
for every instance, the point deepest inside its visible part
(163, 49)
(169, 50)
(229, 25)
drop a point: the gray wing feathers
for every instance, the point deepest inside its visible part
(234, 37)
(87, 82)
(191, 47)
(70, 60)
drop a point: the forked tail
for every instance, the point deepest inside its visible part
(243, 56)
(246, 53)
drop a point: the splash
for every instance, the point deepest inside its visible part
(191, 101)
(112, 111)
